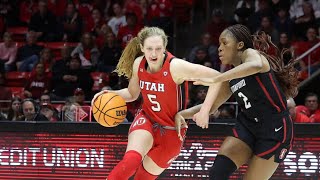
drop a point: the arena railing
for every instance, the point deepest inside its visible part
(308, 53)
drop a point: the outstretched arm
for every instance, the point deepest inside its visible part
(182, 70)
(253, 63)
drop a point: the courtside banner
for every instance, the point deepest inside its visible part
(93, 154)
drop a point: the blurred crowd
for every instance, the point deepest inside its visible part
(56, 54)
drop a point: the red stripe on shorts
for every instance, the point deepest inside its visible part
(270, 150)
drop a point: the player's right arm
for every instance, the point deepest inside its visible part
(131, 93)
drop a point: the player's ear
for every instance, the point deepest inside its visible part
(240, 45)
(141, 47)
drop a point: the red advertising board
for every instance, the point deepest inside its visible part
(35, 155)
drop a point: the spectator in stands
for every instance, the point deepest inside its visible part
(216, 26)
(129, 31)
(49, 112)
(244, 9)
(9, 12)
(83, 107)
(285, 43)
(84, 8)
(201, 55)
(5, 92)
(296, 116)
(301, 47)
(61, 65)
(206, 41)
(38, 83)
(95, 23)
(110, 54)
(30, 111)
(65, 82)
(276, 5)
(160, 14)
(302, 23)
(226, 112)
(267, 27)
(71, 24)
(199, 94)
(262, 10)
(283, 22)
(14, 113)
(118, 18)
(46, 58)
(101, 38)
(44, 23)
(28, 54)
(87, 51)
(79, 96)
(46, 99)
(140, 8)
(27, 8)
(296, 8)
(312, 103)
(8, 52)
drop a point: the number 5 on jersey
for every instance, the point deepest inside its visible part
(247, 104)
(155, 104)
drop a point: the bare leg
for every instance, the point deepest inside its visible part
(238, 151)
(259, 168)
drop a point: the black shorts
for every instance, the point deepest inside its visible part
(267, 137)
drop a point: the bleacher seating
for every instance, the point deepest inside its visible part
(18, 33)
(17, 79)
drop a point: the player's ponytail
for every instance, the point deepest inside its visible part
(129, 54)
(286, 74)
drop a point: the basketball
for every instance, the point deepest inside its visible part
(109, 109)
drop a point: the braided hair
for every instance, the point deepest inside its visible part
(286, 74)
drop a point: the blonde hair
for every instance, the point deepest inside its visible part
(133, 50)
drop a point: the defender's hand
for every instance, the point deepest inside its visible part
(179, 122)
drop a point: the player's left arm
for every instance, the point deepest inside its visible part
(253, 62)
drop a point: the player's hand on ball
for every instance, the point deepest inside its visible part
(98, 94)
(179, 122)
(201, 119)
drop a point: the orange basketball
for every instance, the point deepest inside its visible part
(109, 109)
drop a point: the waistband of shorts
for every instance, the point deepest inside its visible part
(164, 127)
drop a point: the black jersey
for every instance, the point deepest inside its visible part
(259, 95)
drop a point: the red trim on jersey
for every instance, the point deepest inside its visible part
(270, 150)
(284, 130)
(277, 90)
(267, 94)
(235, 132)
(186, 90)
(291, 131)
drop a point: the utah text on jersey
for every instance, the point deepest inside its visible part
(151, 86)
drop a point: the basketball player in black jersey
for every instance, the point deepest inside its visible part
(261, 83)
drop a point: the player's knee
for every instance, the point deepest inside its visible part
(222, 168)
(143, 174)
